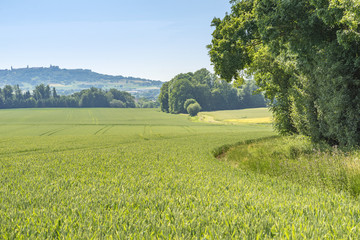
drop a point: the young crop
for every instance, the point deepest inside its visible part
(143, 174)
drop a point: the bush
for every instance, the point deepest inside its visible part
(193, 109)
(188, 102)
(117, 104)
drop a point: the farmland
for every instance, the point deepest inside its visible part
(252, 115)
(140, 173)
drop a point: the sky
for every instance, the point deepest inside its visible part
(155, 39)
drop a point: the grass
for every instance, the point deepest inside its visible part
(295, 158)
(250, 116)
(152, 175)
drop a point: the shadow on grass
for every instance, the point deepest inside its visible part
(297, 159)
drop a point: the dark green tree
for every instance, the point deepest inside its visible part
(7, 93)
(39, 92)
(54, 93)
(304, 54)
(93, 97)
(47, 92)
(179, 90)
(188, 102)
(8, 96)
(193, 109)
(164, 97)
(125, 97)
(18, 93)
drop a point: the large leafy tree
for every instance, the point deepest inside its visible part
(124, 97)
(7, 92)
(164, 97)
(304, 54)
(179, 91)
(93, 97)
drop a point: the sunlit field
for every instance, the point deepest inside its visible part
(251, 116)
(140, 173)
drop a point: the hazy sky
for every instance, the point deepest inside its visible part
(154, 39)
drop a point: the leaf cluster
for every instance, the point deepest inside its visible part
(304, 54)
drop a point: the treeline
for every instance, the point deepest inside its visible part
(305, 56)
(44, 96)
(209, 92)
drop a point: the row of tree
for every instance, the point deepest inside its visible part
(44, 96)
(305, 56)
(209, 92)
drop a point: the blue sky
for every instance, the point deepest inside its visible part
(154, 39)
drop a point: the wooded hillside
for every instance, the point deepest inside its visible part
(68, 81)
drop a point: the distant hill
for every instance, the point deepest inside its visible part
(67, 81)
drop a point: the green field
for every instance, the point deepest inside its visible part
(139, 173)
(250, 116)
(239, 114)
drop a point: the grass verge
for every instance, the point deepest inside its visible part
(295, 158)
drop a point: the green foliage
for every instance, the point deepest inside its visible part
(54, 93)
(179, 91)
(125, 97)
(117, 103)
(12, 97)
(93, 98)
(297, 159)
(304, 56)
(147, 103)
(164, 97)
(193, 109)
(188, 102)
(210, 92)
(151, 94)
(7, 92)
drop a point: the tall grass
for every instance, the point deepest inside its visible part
(297, 159)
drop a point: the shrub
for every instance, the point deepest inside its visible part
(117, 104)
(188, 102)
(193, 109)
